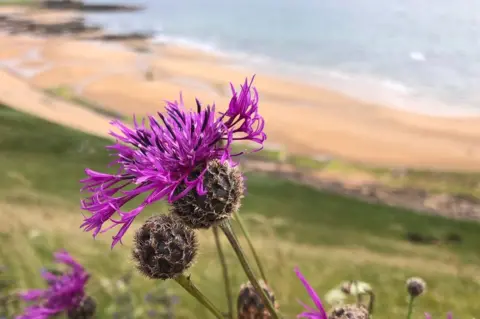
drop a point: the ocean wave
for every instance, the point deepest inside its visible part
(366, 87)
(187, 43)
(403, 57)
(417, 56)
(120, 23)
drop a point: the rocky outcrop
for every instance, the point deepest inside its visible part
(15, 25)
(65, 23)
(464, 207)
(84, 7)
(125, 36)
(447, 205)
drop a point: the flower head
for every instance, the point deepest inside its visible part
(85, 310)
(349, 312)
(157, 158)
(416, 286)
(250, 304)
(224, 190)
(164, 247)
(65, 291)
(311, 313)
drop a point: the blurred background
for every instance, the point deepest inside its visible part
(371, 169)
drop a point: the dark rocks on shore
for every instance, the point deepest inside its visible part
(80, 6)
(16, 25)
(126, 36)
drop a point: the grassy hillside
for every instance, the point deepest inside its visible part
(330, 237)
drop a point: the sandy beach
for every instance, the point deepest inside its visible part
(304, 118)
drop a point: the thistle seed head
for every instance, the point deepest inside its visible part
(86, 309)
(349, 312)
(224, 191)
(250, 304)
(416, 286)
(164, 247)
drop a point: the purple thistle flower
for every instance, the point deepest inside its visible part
(157, 158)
(311, 313)
(64, 292)
(428, 316)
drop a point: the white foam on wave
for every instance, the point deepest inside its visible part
(417, 56)
(396, 86)
(187, 43)
(211, 47)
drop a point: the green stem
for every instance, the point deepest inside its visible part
(357, 293)
(226, 226)
(188, 285)
(371, 303)
(250, 245)
(410, 307)
(226, 278)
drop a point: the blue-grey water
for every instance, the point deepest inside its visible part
(420, 55)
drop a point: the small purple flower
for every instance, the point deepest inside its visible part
(428, 316)
(64, 292)
(311, 313)
(155, 159)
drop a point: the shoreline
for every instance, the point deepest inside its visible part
(305, 119)
(388, 91)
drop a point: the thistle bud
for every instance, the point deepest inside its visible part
(349, 312)
(224, 186)
(164, 247)
(416, 286)
(250, 304)
(86, 309)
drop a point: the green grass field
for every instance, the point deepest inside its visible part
(330, 237)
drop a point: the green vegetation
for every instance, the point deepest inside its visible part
(17, 2)
(68, 94)
(331, 238)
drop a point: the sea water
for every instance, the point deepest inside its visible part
(419, 55)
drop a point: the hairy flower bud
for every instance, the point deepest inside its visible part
(250, 304)
(224, 190)
(349, 312)
(416, 286)
(86, 309)
(164, 247)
